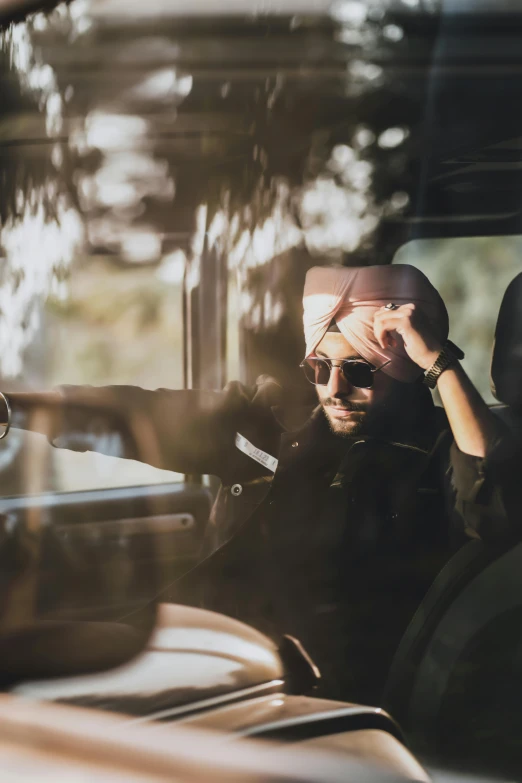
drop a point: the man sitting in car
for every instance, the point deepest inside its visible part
(330, 529)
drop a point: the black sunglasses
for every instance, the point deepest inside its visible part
(357, 373)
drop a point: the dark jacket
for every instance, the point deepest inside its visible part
(337, 547)
(194, 432)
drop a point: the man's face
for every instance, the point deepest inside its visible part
(348, 409)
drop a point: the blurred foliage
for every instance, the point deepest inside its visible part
(115, 326)
(471, 275)
(301, 154)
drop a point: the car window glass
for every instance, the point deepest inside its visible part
(113, 326)
(108, 323)
(471, 274)
(169, 174)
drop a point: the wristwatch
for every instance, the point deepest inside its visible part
(450, 354)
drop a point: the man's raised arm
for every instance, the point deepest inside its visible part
(474, 427)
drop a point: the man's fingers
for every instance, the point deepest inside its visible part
(381, 333)
(387, 321)
(409, 324)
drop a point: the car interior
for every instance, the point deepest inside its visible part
(196, 162)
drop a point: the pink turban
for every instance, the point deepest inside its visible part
(352, 295)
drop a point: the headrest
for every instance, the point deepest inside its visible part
(506, 365)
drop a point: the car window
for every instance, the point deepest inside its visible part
(113, 325)
(173, 176)
(471, 274)
(109, 323)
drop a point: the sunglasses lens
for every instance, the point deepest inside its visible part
(317, 371)
(359, 374)
(322, 372)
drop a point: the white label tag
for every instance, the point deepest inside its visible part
(259, 455)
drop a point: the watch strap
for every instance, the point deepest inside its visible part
(450, 354)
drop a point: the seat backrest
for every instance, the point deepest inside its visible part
(455, 680)
(511, 419)
(463, 566)
(506, 364)
(473, 592)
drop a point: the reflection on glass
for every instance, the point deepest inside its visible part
(168, 177)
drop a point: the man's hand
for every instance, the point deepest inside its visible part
(473, 425)
(421, 344)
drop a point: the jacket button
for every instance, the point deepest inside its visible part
(236, 490)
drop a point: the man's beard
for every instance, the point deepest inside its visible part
(346, 428)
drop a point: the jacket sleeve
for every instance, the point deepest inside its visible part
(186, 431)
(488, 490)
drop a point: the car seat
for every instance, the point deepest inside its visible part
(454, 677)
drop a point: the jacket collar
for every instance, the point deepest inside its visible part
(303, 419)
